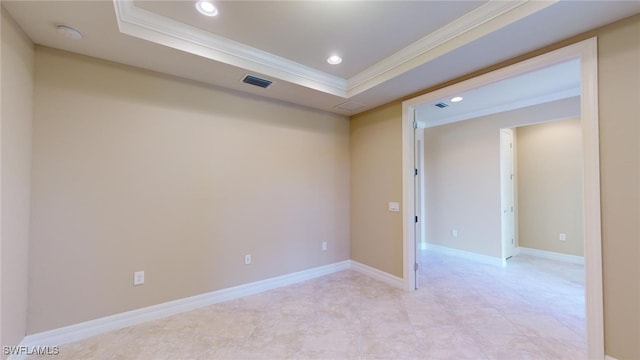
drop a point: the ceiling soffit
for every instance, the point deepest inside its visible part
(489, 17)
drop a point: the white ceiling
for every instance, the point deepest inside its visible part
(556, 82)
(329, 26)
(390, 48)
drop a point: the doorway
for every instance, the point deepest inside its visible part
(586, 53)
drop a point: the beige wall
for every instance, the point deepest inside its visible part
(133, 170)
(376, 179)
(462, 169)
(16, 122)
(549, 178)
(95, 264)
(619, 94)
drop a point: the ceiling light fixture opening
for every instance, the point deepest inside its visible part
(206, 8)
(69, 32)
(456, 99)
(334, 60)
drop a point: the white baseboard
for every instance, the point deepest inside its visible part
(515, 251)
(607, 357)
(551, 255)
(467, 255)
(95, 327)
(378, 275)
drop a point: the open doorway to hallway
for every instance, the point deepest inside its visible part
(465, 215)
(586, 53)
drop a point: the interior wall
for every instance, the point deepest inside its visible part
(15, 179)
(550, 186)
(376, 179)
(618, 91)
(133, 170)
(462, 169)
(619, 95)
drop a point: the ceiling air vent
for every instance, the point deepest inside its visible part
(350, 106)
(441, 105)
(253, 80)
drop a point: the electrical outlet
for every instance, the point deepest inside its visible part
(247, 259)
(454, 233)
(324, 246)
(138, 278)
(562, 237)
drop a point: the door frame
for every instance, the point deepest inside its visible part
(587, 52)
(508, 245)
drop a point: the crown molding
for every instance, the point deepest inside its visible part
(475, 24)
(489, 17)
(519, 104)
(146, 25)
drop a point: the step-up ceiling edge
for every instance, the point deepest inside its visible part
(146, 25)
(507, 106)
(475, 24)
(489, 17)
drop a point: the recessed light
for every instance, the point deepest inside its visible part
(456, 99)
(206, 8)
(69, 32)
(334, 60)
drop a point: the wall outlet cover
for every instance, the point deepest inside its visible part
(138, 278)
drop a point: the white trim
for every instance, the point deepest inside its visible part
(159, 29)
(485, 259)
(559, 95)
(377, 274)
(607, 357)
(485, 19)
(516, 251)
(91, 328)
(102, 325)
(551, 255)
(508, 191)
(586, 51)
(421, 206)
(592, 219)
(408, 199)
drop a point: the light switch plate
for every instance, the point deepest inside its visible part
(394, 206)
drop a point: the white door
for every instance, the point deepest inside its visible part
(418, 155)
(507, 188)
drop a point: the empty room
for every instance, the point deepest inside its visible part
(268, 180)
